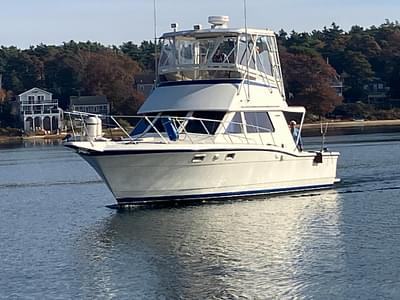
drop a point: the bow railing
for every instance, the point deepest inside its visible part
(164, 129)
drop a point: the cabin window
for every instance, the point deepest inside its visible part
(208, 126)
(178, 114)
(236, 124)
(263, 60)
(180, 52)
(185, 51)
(225, 53)
(139, 128)
(167, 57)
(258, 122)
(158, 123)
(245, 51)
(143, 125)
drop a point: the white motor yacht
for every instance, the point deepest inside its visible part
(215, 126)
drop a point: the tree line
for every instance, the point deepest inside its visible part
(360, 56)
(73, 69)
(310, 61)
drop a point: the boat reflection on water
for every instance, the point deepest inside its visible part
(274, 247)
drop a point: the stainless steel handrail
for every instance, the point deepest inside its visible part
(181, 121)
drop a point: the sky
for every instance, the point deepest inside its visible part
(112, 22)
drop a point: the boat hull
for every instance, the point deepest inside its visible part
(155, 176)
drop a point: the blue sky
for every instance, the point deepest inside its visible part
(30, 22)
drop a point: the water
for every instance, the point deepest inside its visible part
(59, 241)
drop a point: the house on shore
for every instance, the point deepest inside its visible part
(377, 92)
(90, 104)
(39, 111)
(144, 83)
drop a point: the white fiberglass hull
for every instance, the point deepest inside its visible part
(138, 176)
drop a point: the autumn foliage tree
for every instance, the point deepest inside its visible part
(102, 72)
(72, 69)
(308, 81)
(112, 75)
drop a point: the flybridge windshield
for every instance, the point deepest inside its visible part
(189, 51)
(191, 57)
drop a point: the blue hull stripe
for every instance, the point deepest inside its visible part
(214, 81)
(125, 201)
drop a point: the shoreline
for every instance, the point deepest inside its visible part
(31, 137)
(331, 124)
(351, 124)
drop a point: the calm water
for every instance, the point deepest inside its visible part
(59, 241)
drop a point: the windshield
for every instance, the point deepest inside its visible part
(197, 51)
(202, 122)
(218, 57)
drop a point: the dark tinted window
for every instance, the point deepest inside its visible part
(140, 127)
(158, 124)
(235, 126)
(175, 113)
(197, 126)
(258, 122)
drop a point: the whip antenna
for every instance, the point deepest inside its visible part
(247, 48)
(155, 42)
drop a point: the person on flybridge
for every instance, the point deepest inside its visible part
(296, 135)
(219, 57)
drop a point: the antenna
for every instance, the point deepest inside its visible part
(247, 47)
(155, 42)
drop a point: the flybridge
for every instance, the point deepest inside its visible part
(220, 53)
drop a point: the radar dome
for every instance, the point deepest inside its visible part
(218, 21)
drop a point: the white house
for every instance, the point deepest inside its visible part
(39, 111)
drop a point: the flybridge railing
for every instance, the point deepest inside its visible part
(165, 129)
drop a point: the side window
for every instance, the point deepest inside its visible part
(258, 122)
(245, 51)
(236, 124)
(202, 126)
(263, 60)
(157, 122)
(139, 128)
